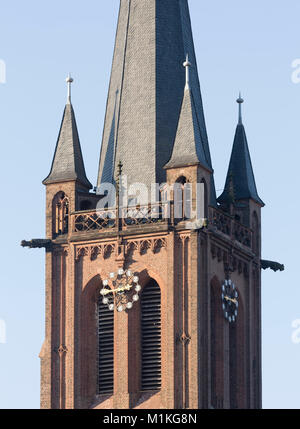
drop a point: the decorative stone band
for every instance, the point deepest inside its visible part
(93, 251)
(106, 249)
(231, 262)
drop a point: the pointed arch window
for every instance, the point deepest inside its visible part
(151, 337)
(105, 349)
(61, 214)
(182, 199)
(203, 200)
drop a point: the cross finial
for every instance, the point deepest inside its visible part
(69, 81)
(187, 66)
(240, 101)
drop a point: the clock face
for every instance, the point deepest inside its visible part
(230, 302)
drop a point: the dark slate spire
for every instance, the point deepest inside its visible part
(188, 147)
(67, 162)
(153, 37)
(240, 181)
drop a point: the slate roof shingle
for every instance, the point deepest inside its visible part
(68, 162)
(240, 180)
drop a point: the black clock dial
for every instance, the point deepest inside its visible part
(230, 303)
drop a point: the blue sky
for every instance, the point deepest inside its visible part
(247, 46)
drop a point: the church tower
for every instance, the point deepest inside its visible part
(151, 303)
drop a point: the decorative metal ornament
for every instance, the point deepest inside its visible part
(230, 302)
(121, 290)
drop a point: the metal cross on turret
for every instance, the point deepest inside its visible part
(187, 66)
(69, 81)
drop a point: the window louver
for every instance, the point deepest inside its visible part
(151, 337)
(105, 349)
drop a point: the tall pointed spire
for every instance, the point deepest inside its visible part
(240, 181)
(68, 162)
(153, 36)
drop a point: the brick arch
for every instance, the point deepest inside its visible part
(181, 179)
(148, 274)
(217, 344)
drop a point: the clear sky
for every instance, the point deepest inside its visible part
(240, 45)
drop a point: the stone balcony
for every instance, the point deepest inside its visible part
(152, 218)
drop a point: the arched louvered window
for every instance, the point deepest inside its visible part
(151, 337)
(105, 348)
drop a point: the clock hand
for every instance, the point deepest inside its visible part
(230, 299)
(119, 289)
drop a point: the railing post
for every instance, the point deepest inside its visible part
(72, 223)
(119, 174)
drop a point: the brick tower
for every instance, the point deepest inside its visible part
(192, 338)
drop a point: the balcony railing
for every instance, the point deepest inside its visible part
(153, 214)
(94, 221)
(231, 227)
(143, 215)
(98, 220)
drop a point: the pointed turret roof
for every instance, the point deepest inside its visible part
(188, 147)
(153, 36)
(67, 162)
(240, 182)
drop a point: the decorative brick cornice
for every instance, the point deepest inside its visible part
(93, 251)
(183, 237)
(142, 245)
(230, 260)
(106, 249)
